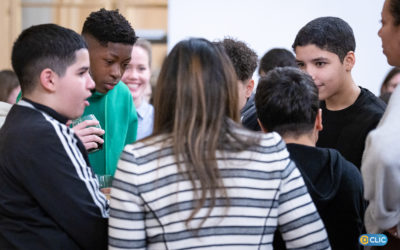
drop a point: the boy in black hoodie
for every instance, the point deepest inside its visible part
(287, 103)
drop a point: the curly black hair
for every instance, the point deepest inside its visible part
(243, 58)
(109, 26)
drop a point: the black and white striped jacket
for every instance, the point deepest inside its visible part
(151, 200)
(49, 196)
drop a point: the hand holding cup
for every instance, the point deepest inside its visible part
(88, 129)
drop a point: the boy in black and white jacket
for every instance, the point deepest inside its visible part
(50, 198)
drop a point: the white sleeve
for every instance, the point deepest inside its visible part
(298, 219)
(381, 170)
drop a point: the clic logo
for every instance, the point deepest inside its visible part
(373, 239)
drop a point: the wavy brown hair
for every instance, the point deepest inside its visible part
(196, 99)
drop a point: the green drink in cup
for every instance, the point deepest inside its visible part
(89, 117)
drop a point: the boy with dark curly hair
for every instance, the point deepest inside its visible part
(244, 61)
(110, 39)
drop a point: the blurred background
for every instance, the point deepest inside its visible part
(149, 18)
(263, 24)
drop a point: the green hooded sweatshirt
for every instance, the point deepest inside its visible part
(116, 113)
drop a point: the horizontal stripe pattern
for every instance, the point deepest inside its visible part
(151, 200)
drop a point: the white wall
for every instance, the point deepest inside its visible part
(36, 15)
(265, 24)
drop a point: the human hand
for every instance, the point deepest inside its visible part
(89, 134)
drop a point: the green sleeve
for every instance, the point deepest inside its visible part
(133, 124)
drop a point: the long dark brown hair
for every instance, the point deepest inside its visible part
(196, 103)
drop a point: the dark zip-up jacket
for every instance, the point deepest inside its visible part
(49, 196)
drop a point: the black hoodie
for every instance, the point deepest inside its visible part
(336, 188)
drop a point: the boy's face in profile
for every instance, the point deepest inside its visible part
(325, 67)
(73, 88)
(389, 34)
(245, 89)
(107, 64)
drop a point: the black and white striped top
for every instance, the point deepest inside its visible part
(150, 201)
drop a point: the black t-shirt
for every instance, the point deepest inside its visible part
(347, 129)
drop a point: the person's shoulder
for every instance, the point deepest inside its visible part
(272, 148)
(150, 152)
(122, 90)
(249, 106)
(371, 102)
(348, 171)
(28, 120)
(148, 146)
(249, 117)
(270, 139)
(30, 130)
(4, 108)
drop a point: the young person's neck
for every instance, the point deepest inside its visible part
(40, 98)
(138, 101)
(304, 139)
(345, 97)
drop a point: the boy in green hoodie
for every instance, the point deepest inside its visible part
(110, 39)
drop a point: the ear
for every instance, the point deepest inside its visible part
(249, 88)
(47, 79)
(318, 121)
(261, 126)
(349, 60)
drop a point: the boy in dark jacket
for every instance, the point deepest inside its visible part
(50, 198)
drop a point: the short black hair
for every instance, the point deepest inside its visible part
(44, 46)
(287, 101)
(243, 58)
(109, 26)
(328, 33)
(394, 9)
(276, 58)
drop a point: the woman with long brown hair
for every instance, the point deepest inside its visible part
(202, 180)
